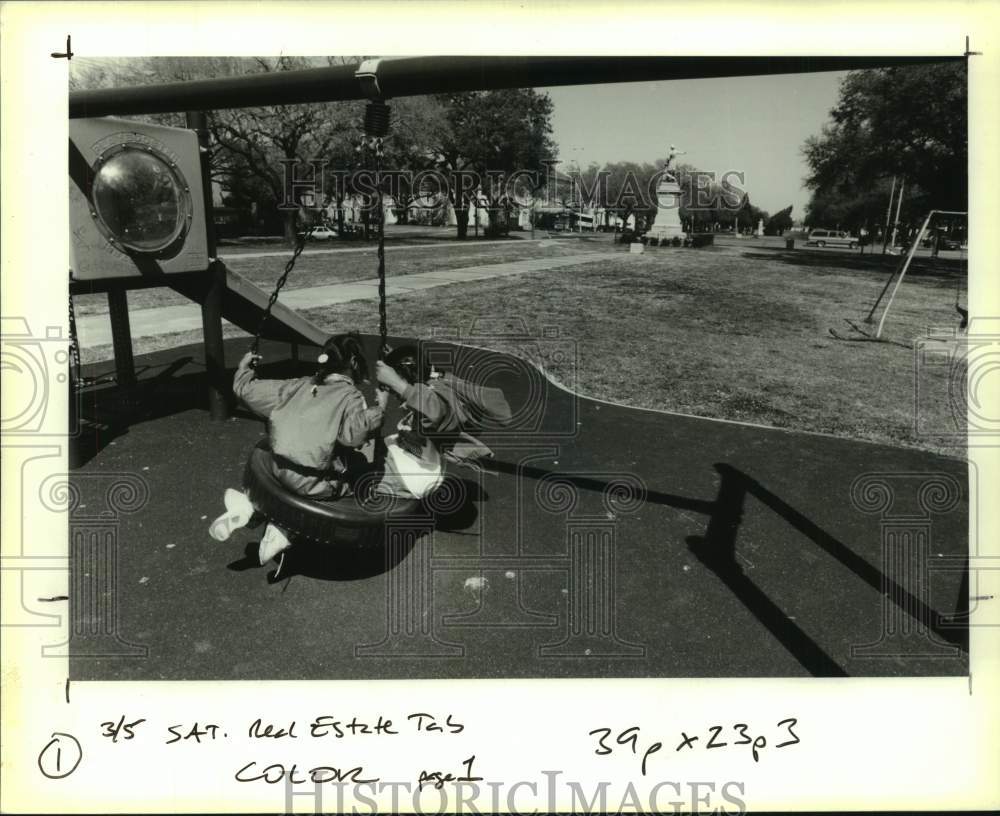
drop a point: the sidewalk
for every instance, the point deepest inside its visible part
(230, 255)
(95, 330)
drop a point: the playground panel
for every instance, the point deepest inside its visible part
(136, 200)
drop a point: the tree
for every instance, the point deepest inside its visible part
(632, 191)
(708, 203)
(705, 203)
(849, 208)
(411, 146)
(263, 140)
(495, 134)
(779, 222)
(578, 190)
(748, 216)
(248, 143)
(908, 122)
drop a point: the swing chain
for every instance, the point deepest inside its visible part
(377, 117)
(300, 245)
(383, 324)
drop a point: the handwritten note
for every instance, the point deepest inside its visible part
(714, 737)
(125, 729)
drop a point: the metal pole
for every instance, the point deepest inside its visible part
(215, 285)
(909, 257)
(215, 354)
(417, 76)
(901, 265)
(899, 206)
(121, 337)
(888, 216)
(885, 288)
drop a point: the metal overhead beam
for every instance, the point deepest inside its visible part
(414, 76)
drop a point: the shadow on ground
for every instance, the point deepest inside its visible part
(602, 541)
(820, 262)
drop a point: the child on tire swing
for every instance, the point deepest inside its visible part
(440, 409)
(314, 423)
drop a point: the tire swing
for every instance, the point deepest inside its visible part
(359, 519)
(353, 520)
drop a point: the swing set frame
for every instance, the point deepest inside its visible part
(901, 272)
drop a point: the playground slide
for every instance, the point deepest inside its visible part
(244, 305)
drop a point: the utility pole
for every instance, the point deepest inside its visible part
(888, 216)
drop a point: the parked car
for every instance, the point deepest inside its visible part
(825, 237)
(322, 233)
(944, 242)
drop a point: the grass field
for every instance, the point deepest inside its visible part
(734, 332)
(342, 267)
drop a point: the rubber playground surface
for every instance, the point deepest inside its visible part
(606, 541)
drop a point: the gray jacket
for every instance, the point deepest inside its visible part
(444, 408)
(310, 427)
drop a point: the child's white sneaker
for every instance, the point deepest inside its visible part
(237, 501)
(273, 543)
(238, 513)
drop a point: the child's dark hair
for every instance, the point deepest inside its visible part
(342, 354)
(410, 363)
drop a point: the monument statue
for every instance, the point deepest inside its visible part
(668, 203)
(674, 153)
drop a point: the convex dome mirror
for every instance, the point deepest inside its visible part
(140, 199)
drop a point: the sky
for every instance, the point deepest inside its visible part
(754, 124)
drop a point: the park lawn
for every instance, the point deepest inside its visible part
(344, 266)
(733, 334)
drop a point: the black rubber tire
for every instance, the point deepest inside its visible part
(852, 245)
(821, 243)
(347, 520)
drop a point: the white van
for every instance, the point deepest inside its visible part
(824, 237)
